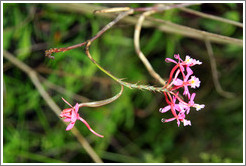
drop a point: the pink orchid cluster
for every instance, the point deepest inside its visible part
(180, 109)
(71, 115)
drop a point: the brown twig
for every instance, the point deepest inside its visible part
(149, 22)
(194, 33)
(212, 17)
(215, 72)
(138, 50)
(34, 78)
(103, 30)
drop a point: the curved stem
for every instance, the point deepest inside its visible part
(129, 85)
(102, 102)
(215, 72)
(138, 50)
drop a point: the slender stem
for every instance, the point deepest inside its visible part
(149, 23)
(212, 17)
(191, 32)
(172, 72)
(129, 85)
(163, 7)
(108, 26)
(140, 53)
(215, 72)
(182, 101)
(102, 102)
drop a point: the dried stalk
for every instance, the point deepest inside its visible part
(170, 28)
(108, 26)
(215, 72)
(138, 50)
(212, 17)
(193, 33)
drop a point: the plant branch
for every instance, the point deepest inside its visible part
(212, 17)
(191, 32)
(138, 50)
(108, 26)
(129, 85)
(150, 23)
(215, 72)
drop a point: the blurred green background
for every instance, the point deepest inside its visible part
(132, 124)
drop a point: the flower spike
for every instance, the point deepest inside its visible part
(181, 77)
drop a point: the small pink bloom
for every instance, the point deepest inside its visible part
(198, 106)
(174, 83)
(186, 122)
(180, 117)
(191, 62)
(194, 82)
(71, 115)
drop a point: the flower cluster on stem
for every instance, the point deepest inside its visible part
(181, 78)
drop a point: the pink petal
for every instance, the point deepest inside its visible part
(73, 116)
(176, 56)
(88, 126)
(70, 126)
(189, 72)
(194, 82)
(178, 82)
(178, 122)
(76, 107)
(170, 60)
(67, 119)
(165, 109)
(186, 92)
(186, 122)
(192, 98)
(67, 102)
(167, 120)
(181, 68)
(176, 75)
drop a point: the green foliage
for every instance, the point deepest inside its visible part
(132, 124)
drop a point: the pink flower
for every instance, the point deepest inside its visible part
(191, 62)
(180, 117)
(175, 107)
(198, 106)
(175, 83)
(194, 82)
(71, 115)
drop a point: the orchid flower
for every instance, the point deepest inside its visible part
(175, 83)
(71, 115)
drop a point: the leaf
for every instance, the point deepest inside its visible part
(7, 36)
(24, 44)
